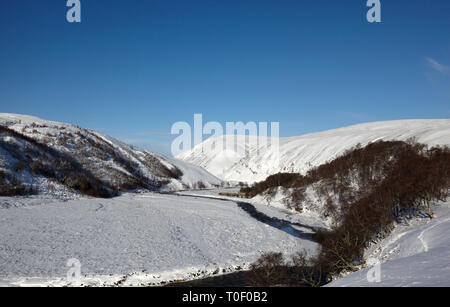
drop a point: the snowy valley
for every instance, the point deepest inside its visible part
(136, 218)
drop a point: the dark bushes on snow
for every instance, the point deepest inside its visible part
(173, 173)
(78, 172)
(10, 186)
(397, 181)
(268, 270)
(271, 269)
(416, 179)
(137, 180)
(45, 161)
(199, 185)
(285, 180)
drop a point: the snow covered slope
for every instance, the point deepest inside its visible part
(134, 238)
(416, 255)
(299, 154)
(29, 145)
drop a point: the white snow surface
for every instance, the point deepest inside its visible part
(139, 239)
(301, 153)
(268, 206)
(416, 255)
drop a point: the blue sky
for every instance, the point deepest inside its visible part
(132, 68)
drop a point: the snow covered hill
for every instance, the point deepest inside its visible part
(43, 154)
(299, 154)
(413, 255)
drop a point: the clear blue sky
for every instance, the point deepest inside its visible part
(134, 67)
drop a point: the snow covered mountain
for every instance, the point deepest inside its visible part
(301, 153)
(50, 157)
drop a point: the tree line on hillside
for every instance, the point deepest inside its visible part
(43, 160)
(398, 181)
(75, 169)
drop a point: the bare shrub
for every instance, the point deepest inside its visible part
(200, 185)
(268, 270)
(19, 166)
(297, 197)
(308, 270)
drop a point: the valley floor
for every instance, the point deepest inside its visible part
(153, 239)
(131, 240)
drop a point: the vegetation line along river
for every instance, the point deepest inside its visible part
(284, 225)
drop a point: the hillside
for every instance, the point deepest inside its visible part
(413, 256)
(364, 196)
(301, 153)
(40, 156)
